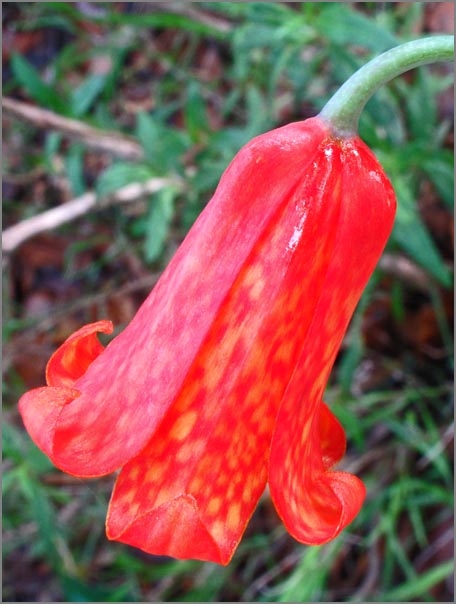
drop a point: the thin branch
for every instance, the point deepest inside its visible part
(112, 142)
(13, 236)
(258, 586)
(371, 576)
(406, 270)
(217, 22)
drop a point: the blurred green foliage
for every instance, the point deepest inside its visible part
(277, 63)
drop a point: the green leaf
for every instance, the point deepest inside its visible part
(420, 584)
(83, 98)
(118, 56)
(120, 174)
(17, 446)
(195, 114)
(411, 235)
(161, 19)
(158, 220)
(420, 103)
(163, 146)
(78, 591)
(307, 580)
(51, 146)
(259, 118)
(29, 78)
(343, 25)
(440, 169)
(272, 13)
(383, 116)
(233, 10)
(43, 514)
(252, 36)
(74, 164)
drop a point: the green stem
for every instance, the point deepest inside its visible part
(342, 111)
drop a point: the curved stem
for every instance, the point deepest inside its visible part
(342, 111)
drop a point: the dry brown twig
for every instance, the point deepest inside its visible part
(406, 270)
(112, 142)
(216, 22)
(13, 236)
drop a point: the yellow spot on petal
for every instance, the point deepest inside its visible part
(305, 434)
(286, 351)
(189, 450)
(256, 290)
(154, 471)
(247, 492)
(218, 531)
(293, 505)
(214, 505)
(196, 485)
(234, 516)
(183, 425)
(232, 459)
(164, 495)
(232, 488)
(222, 479)
(205, 465)
(257, 415)
(239, 477)
(253, 275)
(252, 440)
(128, 497)
(134, 473)
(256, 394)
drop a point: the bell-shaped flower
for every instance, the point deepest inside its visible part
(215, 388)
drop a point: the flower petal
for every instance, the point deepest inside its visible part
(350, 492)
(203, 471)
(314, 503)
(72, 359)
(126, 391)
(40, 409)
(331, 436)
(171, 527)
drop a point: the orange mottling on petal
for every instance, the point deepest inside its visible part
(184, 425)
(224, 455)
(213, 505)
(314, 503)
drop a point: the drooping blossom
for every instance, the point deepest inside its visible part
(215, 387)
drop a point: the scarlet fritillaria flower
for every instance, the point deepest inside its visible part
(215, 388)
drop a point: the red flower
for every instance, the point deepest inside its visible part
(215, 388)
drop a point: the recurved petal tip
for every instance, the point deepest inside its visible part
(350, 492)
(71, 360)
(40, 409)
(323, 508)
(314, 503)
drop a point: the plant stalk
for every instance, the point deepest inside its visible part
(342, 111)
